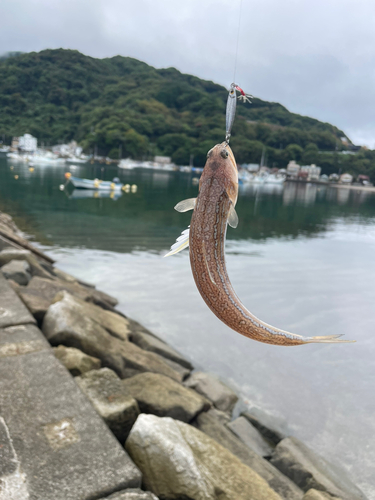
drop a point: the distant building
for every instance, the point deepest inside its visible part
(346, 179)
(292, 169)
(363, 179)
(313, 172)
(28, 143)
(164, 160)
(334, 177)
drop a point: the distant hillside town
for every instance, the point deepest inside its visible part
(25, 149)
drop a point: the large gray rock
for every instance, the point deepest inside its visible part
(68, 322)
(72, 279)
(18, 271)
(115, 324)
(209, 386)
(181, 370)
(14, 254)
(12, 310)
(132, 494)
(250, 436)
(180, 462)
(152, 343)
(318, 495)
(40, 294)
(96, 296)
(33, 299)
(220, 416)
(164, 397)
(208, 423)
(110, 399)
(63, 448)
(272, 428)
(309, 470)
(76, 361)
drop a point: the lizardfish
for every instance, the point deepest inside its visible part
(213, 210)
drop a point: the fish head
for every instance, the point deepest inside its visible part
(221, 166)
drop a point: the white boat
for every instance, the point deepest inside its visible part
(128, 164)
(46, 159)
(4, 149)
(39, 158)
(76, 159)
(97, 184)
(15, 157)
(274, 179)
(185, 168)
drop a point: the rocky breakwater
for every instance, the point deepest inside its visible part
(94, 406)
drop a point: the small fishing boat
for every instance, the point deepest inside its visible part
(78, 183)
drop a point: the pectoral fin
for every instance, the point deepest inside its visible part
(185, 205)
(233, 217)
(181, 243)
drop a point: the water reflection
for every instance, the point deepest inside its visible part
(146, 219)
(92, 193)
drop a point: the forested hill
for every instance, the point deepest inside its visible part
(59, 95)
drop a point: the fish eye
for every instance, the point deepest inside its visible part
(209, 153)
(224, 153)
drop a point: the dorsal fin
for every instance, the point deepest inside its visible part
(181, 243)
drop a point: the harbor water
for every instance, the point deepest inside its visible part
(301, 259)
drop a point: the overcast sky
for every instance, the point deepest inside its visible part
(316, 57)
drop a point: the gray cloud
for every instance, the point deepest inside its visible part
(317, 58)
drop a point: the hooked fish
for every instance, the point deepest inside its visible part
(213, 210)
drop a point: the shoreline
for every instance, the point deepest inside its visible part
(142, 388)
(359, 187)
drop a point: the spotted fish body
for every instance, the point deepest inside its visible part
(213, 210)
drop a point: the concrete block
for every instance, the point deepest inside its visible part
(64, 448)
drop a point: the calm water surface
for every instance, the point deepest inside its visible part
(302, 259)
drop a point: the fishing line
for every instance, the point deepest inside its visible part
(238, 38)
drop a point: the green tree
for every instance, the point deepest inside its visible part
(293, 152)
(310, 154)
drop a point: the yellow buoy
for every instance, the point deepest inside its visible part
(126, 188)
(31, 169)
(16, 177)
(134, 188)
(11, 168)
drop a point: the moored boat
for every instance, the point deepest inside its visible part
(98, 184)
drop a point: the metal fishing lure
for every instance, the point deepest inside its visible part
(231, 107)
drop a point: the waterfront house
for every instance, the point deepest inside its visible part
(28, 143)
(293, 169)
(346, 179)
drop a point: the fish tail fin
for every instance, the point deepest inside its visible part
(181, 243)
(327, 339)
